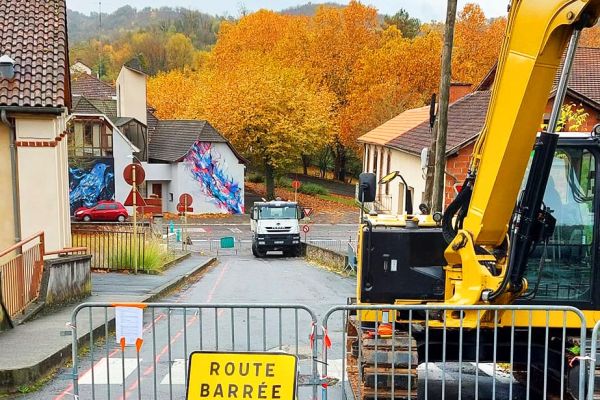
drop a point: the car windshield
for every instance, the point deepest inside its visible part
(286, 212)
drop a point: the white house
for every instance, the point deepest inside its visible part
(178, 157)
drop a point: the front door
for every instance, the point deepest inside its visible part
(157, 190)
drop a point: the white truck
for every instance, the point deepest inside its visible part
(275, 227)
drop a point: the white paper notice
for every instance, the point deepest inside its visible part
(129, 323)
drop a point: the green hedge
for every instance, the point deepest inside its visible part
(313, 189)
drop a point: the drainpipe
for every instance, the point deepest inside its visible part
(15, 181)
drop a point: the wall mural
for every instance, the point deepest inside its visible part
(91, 181)
(209, 170)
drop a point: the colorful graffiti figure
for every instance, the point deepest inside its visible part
(214, 183)
(87, 187)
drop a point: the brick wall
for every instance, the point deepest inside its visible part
(592, 119)
(456, 166)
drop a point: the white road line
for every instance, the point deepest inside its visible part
(501, 374)
(433, 372)
(199, 230)
(178, 371)
(115, 368)
(235, 230)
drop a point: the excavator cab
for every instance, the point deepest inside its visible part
(561, 271)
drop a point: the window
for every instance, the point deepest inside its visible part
(568, 267)
(101, 207)
(389, 161)
(375, 161)
(90, 138)
(171, 197)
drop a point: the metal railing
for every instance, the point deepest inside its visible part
(158, 367)
(112, 249)
(437, 352)
(21, 273)
(383, 202)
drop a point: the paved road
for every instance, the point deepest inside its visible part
(205, 237)
(236, 279)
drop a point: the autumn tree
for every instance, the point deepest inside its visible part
(409, 26)
(180, 51)
(476, 44)
(591, 37)
(269, 111)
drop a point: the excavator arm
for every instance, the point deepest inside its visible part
(479, 255)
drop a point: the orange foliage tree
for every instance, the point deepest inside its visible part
(477, 44)
(340, 64)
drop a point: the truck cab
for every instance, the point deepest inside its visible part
(275, 227)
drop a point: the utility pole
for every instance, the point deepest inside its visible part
(430, 154)
(439, 177)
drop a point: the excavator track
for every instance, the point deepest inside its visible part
(381, 367)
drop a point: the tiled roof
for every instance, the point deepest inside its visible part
(465, 120)
(34, 34)
(91, 87)
(84, 105)
(585, 75)
(396, 126)
(172, 139)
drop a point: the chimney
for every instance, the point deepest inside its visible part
(458, 90)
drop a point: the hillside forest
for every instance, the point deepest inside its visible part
(294, 88)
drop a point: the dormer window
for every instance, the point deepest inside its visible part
(7, 68)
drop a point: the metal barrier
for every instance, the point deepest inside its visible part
(112, 249)
(433, 352)
(21, 273)
(171, 331)
(593, 361)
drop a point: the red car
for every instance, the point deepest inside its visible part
(103, 211)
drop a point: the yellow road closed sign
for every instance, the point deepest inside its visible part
(253, 376)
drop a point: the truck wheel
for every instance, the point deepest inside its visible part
(257, 253)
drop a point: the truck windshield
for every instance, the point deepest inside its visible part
(286, 212)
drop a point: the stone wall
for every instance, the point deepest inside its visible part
(66, 279)
(325, 257)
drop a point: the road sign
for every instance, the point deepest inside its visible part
(251, 376)
(186, 199)
(306, 229)
(140, 174)
(307, 211)
(181, 207)
(296, 184)
(139, 200)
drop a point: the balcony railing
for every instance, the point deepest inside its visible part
(21, 273)
(383, 203)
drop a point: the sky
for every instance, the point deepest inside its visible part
(425, 10)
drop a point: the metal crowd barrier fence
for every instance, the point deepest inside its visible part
(469, 352)
(158, 367)
(593, 363)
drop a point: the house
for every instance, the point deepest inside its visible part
(112, 126)
(35, 98)
(406, 135)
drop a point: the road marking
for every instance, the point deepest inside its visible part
(115, 367)
(433, 372)
(198, 230)
(178, 372)
(235, 230)
(501, 374)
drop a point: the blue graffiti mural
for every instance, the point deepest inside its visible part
(209, 172)
(90, 182)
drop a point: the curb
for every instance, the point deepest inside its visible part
(10, 380)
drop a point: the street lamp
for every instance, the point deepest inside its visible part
(134, 193)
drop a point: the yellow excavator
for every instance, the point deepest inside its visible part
(524, 229)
